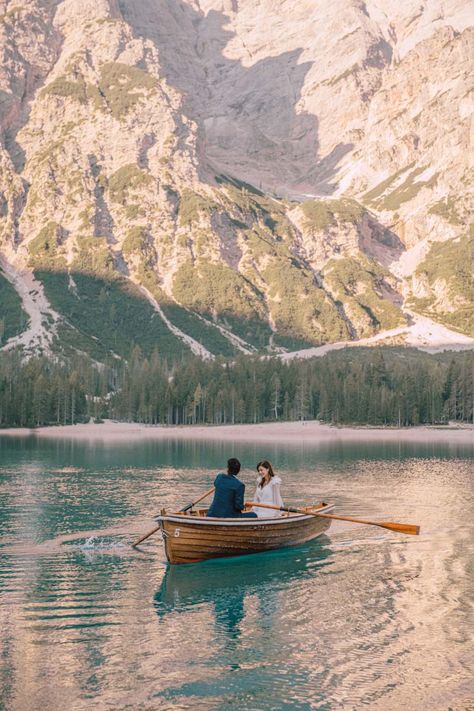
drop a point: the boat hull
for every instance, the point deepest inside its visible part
(190, 539)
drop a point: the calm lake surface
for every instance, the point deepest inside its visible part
(360, 618)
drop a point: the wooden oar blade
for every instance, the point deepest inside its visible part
(409, 528)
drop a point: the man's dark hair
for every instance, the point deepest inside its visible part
(233, 466)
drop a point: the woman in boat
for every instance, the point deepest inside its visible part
(268, 490)
(229, 492)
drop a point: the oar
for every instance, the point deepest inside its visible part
(186, 508)
(400, 527)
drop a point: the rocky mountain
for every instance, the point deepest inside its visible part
(234, 175)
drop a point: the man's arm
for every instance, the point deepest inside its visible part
(239, 497)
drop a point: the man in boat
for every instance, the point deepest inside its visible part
(229, 492)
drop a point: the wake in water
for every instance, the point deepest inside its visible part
(111, 540)
(93, 543)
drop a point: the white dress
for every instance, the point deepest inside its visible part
(269, 494)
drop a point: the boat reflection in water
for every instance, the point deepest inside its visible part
(226, 583)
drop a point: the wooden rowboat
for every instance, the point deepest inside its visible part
(192, 536)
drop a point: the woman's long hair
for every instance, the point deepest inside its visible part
(268, 466)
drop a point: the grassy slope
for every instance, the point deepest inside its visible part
(108, 315)
(13, 318)
(451, 263)
(206, 334)
(357, 285)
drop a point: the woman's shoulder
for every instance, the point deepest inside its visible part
(275, 480)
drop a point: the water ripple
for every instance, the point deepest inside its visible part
(361, 618)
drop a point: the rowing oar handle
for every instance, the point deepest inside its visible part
(186, 508)
(400, 527)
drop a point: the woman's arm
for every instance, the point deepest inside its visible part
(276, 494)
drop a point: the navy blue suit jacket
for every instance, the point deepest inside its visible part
(228, 499)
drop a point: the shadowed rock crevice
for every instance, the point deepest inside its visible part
(103, 220)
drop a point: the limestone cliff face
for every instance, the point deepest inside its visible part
(264, 174)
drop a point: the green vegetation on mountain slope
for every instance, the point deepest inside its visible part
(192, 205)
(119, 89)
(448, 210)
(360, 288)
(127, 179)
(200, 329)
(216, 288)
(301, 311)
(46, 250)
(321, 214)
(395, 190)
(13, 319)
(448, 270)
(299, 307)
(107, 316)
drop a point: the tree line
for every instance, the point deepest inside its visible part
(392, 387)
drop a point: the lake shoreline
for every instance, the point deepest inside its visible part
(310, 432)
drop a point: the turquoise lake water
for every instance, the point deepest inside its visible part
(361, 618)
